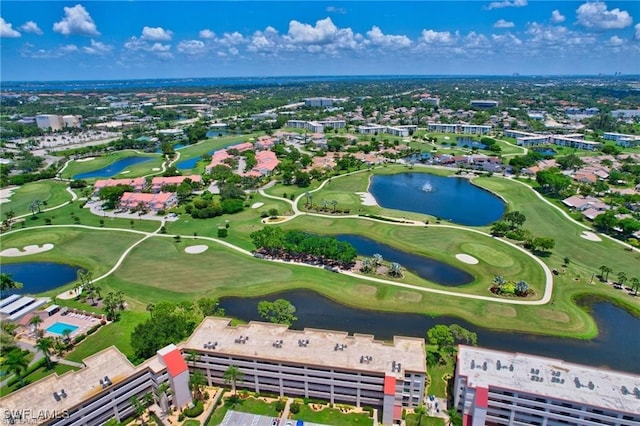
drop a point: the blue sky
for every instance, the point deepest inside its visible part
(92, 40)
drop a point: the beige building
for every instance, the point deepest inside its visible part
(324, 364)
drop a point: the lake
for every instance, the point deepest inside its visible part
(616, 346)
(190, 163)
(38, 277)
(113, 168)
(448, 198)
(425, 267)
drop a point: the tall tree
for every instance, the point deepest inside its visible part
(16, 362)
(232, 375)
(604, 272)
(35, 321)
(280, 311)
(45, 344)
(8, 283)
(197, 381)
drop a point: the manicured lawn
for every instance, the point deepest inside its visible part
(47, 191)
(438, 385)
(191, 422)
(412, 420)
(332, 416)
(248, 405)
(140, 169)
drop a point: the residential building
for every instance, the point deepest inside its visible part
(574, 142)
(153, 202)
(49, 121)
(218, 158)
(100, 391)
(14, 307)
(319, 102)
(503, 388)
(137, 184)
(431, 100)
(71, 121)
(458, 128)
(159, 181)
(483, 103)
(311, 363)
(316, 126)
(623, 140)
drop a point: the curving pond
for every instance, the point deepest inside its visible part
(616, 328)
(449, 198)
(113, 168)
(190, 163)
(38, 277)
(425, 267)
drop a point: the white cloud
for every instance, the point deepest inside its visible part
(324, 32)
(192, 47)
(76, 21)
(266, 41)
(97, 48)
(507, 3)
(557, 17)
(444, 37)
(156, 34)
(31, 27)
(207, 34)
(160, 50)
(232, 39)
(501, 23)
(6, 30)
(508, 40)
(474, 40)
(558, 37)
(378, 38)
(594, 15)
(637, 35)
(616, 41)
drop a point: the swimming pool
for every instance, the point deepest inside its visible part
(60, 327)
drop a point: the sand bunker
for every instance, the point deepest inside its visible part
(5, 194)
(125, 172)
(82, 160)
(467, 259)
(588, 235)
(196, 249)
(26, 250)
(367, 199)
(156, 169)
(257, 205)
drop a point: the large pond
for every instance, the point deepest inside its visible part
(427, 268)
(190, 163)
(38, 277)
(113, 168)
(447, 198)
(616, 346)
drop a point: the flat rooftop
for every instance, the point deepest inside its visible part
(551, 378)
(78, 385)
(323, 348)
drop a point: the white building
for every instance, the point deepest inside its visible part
(319, 102)
(324, 364)
(100, 391)
(623, 140)
(572, 141)
(502, 388)
(458, 128)
(72, 120)
(49, 121)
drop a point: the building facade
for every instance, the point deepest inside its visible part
(100, 391)
(502, 388)
(323, 364)
(458, 128)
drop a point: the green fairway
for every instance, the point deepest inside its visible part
(50, 193)
(135, 170)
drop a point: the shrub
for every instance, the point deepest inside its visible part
(279, 405)
(194, 411)
(222, 232)
(79, 338)
(294, 408)
(180, 417)
(103, 322)
(93, 329)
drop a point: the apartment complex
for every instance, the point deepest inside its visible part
(575, 140)
(622, 139)
(316, 126)
(502, 388)
(100, 391)
(459, 128)
(374, 129)
(57, 122)
(313, 363)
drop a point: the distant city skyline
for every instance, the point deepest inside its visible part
(108, 40)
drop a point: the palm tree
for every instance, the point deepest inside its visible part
(35, 321)
(8, 283)
(395, 270)
(9, 216)
(66, 334)
(138, 408)
(59, 346)
(17, 363)
(420, 412)
(162, 392)
(197, 381)
(377, 259)
(604, 272)
(45, 344)
(635, 285)
(231, 375)
(622, 277)
(151, 307)
(120, 299)
(192, 357)
(334, 203)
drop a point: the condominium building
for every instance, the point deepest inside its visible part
(100, 391)
(623, 140)
(502, 388)
(459, 128)
(483, 103)
(316, 126)
(319, 102)
(329, 365)
(49, 121)
(573, 142)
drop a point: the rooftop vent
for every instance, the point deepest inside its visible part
(242, 339)
(277, 344)
(366, 359)
(339, 347)
(624, 390)
(396, 367)
(62, 393)
(303, 342)
(56, 396)
(210, 345)
(636, 392)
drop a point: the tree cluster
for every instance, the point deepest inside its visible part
(302, 246)
(280, 311)
(445, 339)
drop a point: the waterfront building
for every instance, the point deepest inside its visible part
(503, 388)
(153, 202)
(311, 363)
(100, 391)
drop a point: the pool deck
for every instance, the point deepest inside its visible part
(84, 321)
